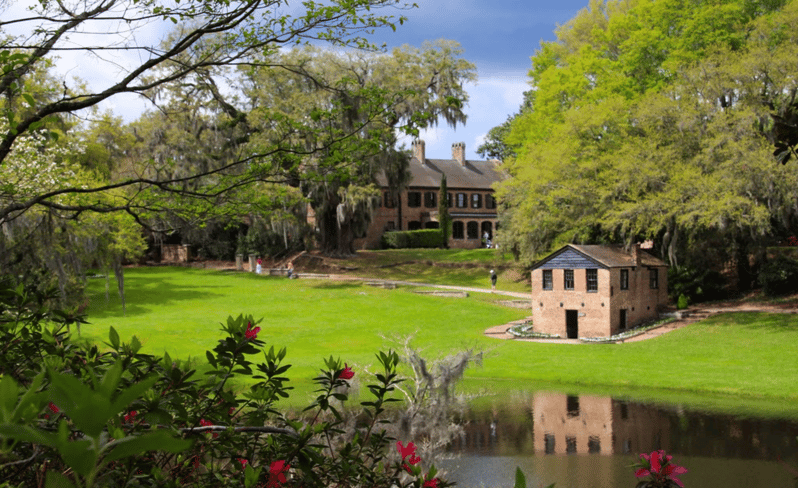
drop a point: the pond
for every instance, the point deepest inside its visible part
(589, 441)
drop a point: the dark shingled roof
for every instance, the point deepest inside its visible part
(474, 175)
(610, 256)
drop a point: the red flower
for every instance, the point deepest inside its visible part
(276, 474)
(131, 416)
(655, 468)
(347, 373)
(53, 408)
(251, 333)
(205, 423)
(243, 462)
(410, 450)
(433, 483)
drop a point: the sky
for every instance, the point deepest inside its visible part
(498, 36)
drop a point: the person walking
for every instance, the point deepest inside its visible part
(493, 279)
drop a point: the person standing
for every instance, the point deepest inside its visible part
(493, 279)
(259, 267)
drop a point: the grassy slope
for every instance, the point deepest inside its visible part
(179, 310)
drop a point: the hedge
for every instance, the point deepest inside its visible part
(404, 239)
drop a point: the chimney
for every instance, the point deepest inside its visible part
(635, 254)
(418, 150)
(458, 152)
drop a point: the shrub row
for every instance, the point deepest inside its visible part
(404, 239)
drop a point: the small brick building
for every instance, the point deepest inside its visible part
(470, 198)
(596, 291)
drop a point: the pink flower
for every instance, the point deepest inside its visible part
(658, 470)
(276, 474)
(53, 408)
(243, 462)
(347, 373)
(131, 416)
(251, 333)
(433, 483)
(205, 423)
(409, 450)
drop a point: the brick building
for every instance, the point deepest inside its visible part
(596, 291)
(471, 202)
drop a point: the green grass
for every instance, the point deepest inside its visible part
(733, 358)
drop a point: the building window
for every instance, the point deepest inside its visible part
(490, 202)
(548, 280)
(624, 279)
(457, 230)
(572, 406)
(413, 199)
(568, 274)
(389, 201)
(476, 200)
(473, 230)
(449, 201)
(391, 225)
(414, 225)
(462, 200)
(430, 199)
(549, 443)
(570, 445)
(593, 444)
(592, 279)
(653, 279)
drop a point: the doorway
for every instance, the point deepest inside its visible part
(622, 325)
(572, 323)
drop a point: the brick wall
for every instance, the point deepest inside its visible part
(599, 312)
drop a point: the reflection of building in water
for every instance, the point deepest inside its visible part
(569, 424)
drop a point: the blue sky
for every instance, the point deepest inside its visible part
(499, 36)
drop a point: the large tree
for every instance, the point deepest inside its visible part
(656, 120)
(355, 105)
(207, 35)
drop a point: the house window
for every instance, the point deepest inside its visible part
(568, 274)
(490, 202)
(570, 445)
(593, 444)
(389, 201)
(653, 279)
(549, 443)
(413, 199)
(572, 406)
(624, 279)
(449, 201)
(457, 230)
(462, 200)
(430, 199)
(548, 281)
(390, 225)
(414, 225)
(592, 279)
(476, 200)
(473, 230)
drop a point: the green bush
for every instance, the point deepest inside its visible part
(779, 276)
(427, 238)
(683, 302)
(696, 285)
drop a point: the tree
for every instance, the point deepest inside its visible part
(356, 104)
(633, 134)
(444, 218)
(208, 35)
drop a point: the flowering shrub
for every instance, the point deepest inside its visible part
(662, 473)
(74, 416)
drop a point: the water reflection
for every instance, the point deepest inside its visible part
(569, 435)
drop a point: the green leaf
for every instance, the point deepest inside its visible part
(114, 338)
(25, 433)
(160, 440)
(520, 479)
(8, 397)
(57, 480)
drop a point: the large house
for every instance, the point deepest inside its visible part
(472, 206)
(596, 291)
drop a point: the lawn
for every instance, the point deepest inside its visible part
(177, 309)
